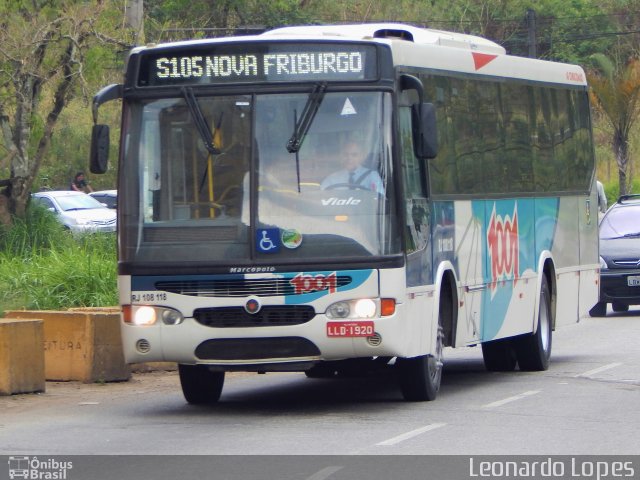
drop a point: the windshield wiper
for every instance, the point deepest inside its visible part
(199, 120)
(306, 118)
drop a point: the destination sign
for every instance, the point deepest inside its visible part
(218, 64)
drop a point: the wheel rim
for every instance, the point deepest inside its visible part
(545, 324)
(435, 366)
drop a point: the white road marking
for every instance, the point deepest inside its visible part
(504, 401)
(324, 473)
(599, 369)
(411, 434)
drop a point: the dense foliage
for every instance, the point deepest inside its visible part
(55, 54)
(563, 30)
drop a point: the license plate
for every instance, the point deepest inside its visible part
(350, 329)
(633, 281)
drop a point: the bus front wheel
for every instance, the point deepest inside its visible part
(599, 310)
(420, 376)
(199, 384)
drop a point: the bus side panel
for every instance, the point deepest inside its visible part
(566, 254)
(589, 277)
(510, 268)
(457, 241)
(469, 236)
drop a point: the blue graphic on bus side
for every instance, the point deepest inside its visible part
(514, 234)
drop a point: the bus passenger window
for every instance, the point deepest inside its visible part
(417, 213)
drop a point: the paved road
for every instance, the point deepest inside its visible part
(586, 403)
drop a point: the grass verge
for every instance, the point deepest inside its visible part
(43, 266)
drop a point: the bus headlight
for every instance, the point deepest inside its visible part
(361, 308)
(339, 310)
(365, 308)
(143, 316)
(147, 315)
(171, 317)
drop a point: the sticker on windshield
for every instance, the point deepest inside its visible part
(291, 238)
(268, 240)
(347, 108)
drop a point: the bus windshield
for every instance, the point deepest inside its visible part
(244, 195)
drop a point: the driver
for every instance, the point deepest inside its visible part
(354, 174)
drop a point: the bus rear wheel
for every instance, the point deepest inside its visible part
(499, 356)
(199, 384)
(534, 350)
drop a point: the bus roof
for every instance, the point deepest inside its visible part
(420, 47)
(393, 31)
(440, 50)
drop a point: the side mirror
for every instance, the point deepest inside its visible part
(425, 130)
(99, 159)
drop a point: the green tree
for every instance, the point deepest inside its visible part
(178, 19)
(615, 92)
(44, 48)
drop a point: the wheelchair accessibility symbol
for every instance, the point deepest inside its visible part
(268, 240)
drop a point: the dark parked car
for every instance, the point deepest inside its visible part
(619, 256)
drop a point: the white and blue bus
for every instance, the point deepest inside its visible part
(471, 218)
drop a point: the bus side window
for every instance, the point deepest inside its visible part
(417, 215)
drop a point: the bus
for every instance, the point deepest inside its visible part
(472, 220)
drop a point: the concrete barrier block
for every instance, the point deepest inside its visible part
(21, 356)
(80, 345)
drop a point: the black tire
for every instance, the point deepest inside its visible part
(599, 310)
(499, 356)
(620, 307)
(420, 377)
(321, 371)
(200, 385)
(534, 350)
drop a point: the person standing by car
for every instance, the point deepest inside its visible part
(602, 198)
(80, 184)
